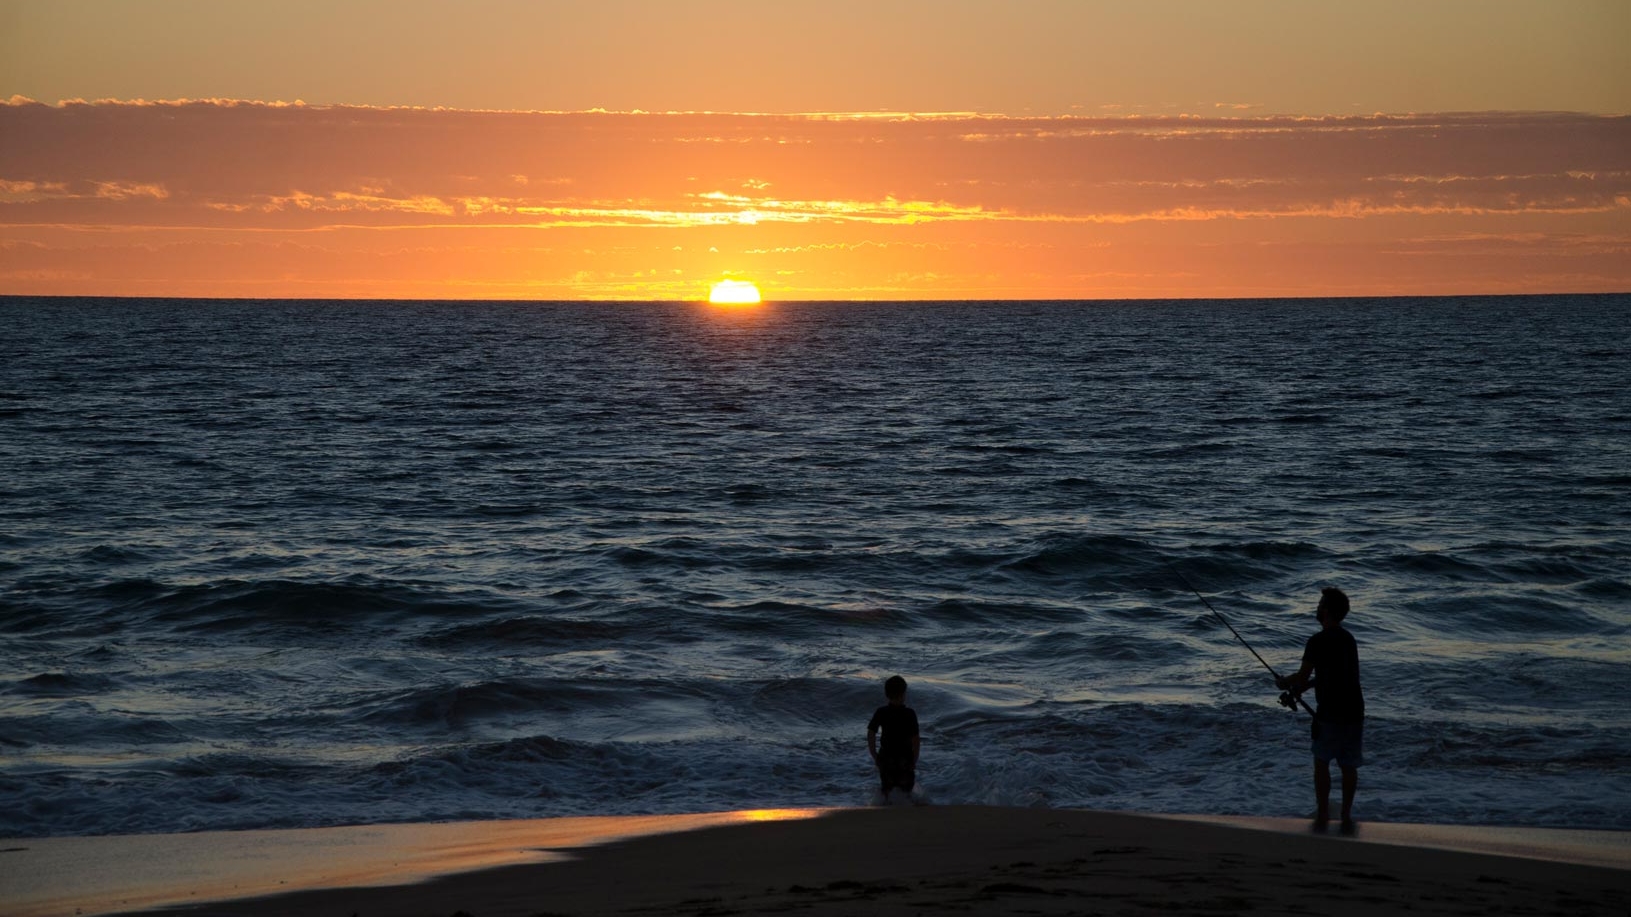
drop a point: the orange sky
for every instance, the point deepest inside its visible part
(1110, 153)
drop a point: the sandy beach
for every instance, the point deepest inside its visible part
(952, 859)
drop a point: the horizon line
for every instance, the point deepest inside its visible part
(703, 301)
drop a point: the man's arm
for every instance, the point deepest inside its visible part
(1298, 681)
(917, 743)
(872, 742)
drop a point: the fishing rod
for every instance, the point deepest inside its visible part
(1288, 699)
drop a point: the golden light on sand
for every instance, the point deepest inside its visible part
(777, 814)
(734, 293)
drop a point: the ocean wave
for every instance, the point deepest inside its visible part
(1604, 588)
(789, 620)
(229, 605)
(1294, 551)
(59, 684)
(1434, 564)
(808, 701)
(1125, 648)
(1189, 451)
(954, 612)
(1493, 614)
(112, 555)
(1232, 566)
(520, 702)
(78, 724)
(526, 633)
(507, 510)
(1105, 555)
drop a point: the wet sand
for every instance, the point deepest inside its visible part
(933, 860)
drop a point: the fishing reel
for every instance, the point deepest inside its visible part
(1290, 700)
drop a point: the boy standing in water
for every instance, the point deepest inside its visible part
(896, 755)
(1331, 660)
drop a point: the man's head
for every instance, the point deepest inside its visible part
(895, 688)
(1333, 606)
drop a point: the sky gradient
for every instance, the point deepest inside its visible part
(907, 150)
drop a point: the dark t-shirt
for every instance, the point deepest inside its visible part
(1334, 655)
(899, 725)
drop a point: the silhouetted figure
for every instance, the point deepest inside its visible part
(1331, 665)
(896, 754)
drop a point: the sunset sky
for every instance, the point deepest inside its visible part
(644, 150)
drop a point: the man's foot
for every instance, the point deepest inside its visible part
(1322, 820)
(1349, 826)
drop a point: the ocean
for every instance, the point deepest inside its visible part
(300, 563)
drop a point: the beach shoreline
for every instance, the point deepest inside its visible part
(839, 861)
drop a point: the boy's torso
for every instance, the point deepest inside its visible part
(898, 725)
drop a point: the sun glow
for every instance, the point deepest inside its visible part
(734, 293)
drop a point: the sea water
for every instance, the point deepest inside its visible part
(271, 563)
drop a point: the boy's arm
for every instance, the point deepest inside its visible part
(917, 743)
(872, 742)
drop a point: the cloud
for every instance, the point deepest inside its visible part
(125, 190)
(855, 190)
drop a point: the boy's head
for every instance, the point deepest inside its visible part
(895, 688)
(1333, 605)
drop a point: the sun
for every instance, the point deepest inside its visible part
(734, 293)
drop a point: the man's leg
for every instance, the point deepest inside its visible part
(1350, 783)
(1322, 791)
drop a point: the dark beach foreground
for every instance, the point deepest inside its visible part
(949, 859)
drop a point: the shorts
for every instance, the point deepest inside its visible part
(1345, 742)
(896, 773)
